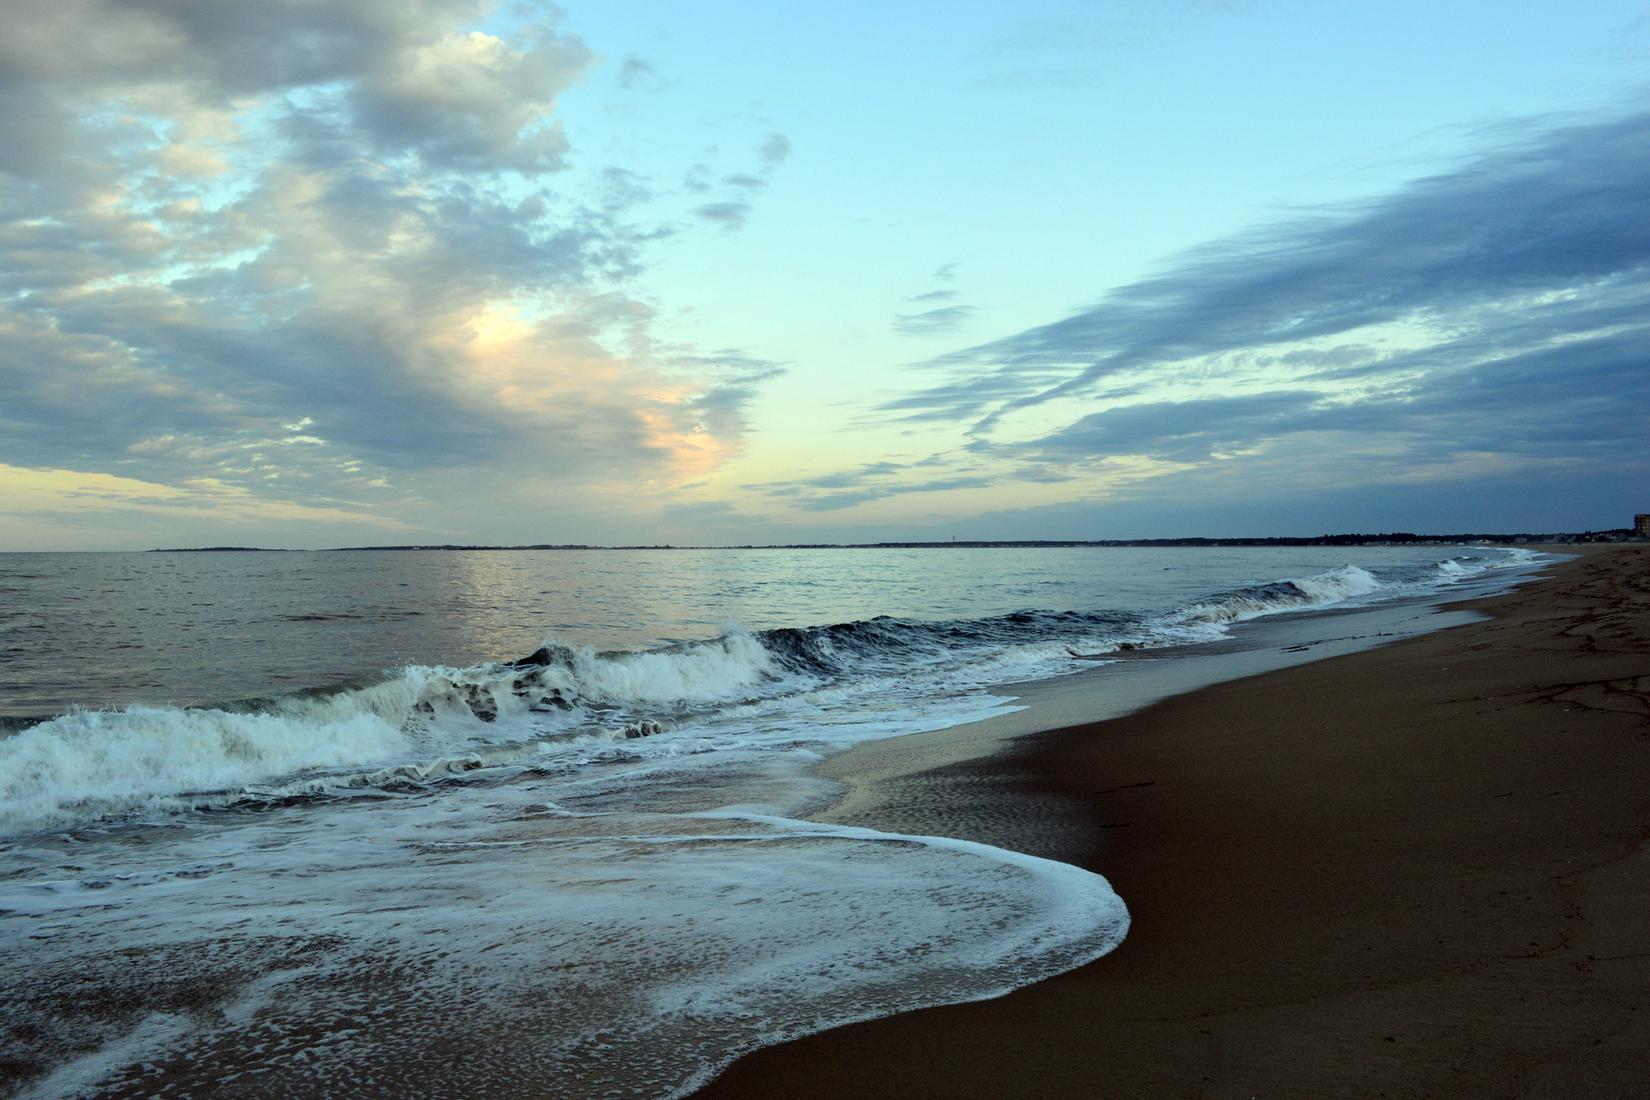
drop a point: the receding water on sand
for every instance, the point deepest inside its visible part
(497, 945)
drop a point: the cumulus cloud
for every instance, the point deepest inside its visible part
(220, 222)
(472, 101)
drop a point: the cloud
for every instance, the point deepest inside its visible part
(881, 480)
(218, 222)
(472, 101)
(775, 150)
(1557, 217)
(831, 502)
(1491, 318)
(1177, 431)
(1227, 499)
(399, 77)
(722, 409)
(82, 503)
(1482, 325)
(933, 322)
(1578, 397)
(733, 211)
(728, 215)
(635, 71)
(939, 320)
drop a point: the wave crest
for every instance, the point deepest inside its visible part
(1321, 590)
(425, 723)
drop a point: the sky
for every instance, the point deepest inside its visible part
(301, 274)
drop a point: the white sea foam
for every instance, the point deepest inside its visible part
(621, 953)
(417, 723)
(95, 763)
(1322, 590)
(702, 672)
(1337, 585)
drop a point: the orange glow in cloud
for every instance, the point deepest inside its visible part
(512, 367)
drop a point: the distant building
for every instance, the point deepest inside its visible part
(1641, 525)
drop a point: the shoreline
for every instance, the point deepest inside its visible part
(888, 782)
(1417, 869)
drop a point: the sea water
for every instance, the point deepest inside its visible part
(536, 822)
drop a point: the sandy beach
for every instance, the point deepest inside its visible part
(1416, 870)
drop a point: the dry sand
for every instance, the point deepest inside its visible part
(1419, 870)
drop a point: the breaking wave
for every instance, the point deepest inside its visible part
(1333, 587)
(562, 705)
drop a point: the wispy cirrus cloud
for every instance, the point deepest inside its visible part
(939, 321)
(839, 489)
(1553, 216)
(937, 311)
(1495, 314)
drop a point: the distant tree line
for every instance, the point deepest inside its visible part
(1385, 538)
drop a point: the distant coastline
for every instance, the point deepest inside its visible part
(1391, 538)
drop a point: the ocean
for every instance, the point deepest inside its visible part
(459, 823)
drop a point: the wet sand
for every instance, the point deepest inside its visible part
(1418, 870)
